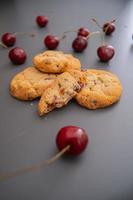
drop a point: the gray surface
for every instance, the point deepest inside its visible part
(105, 170)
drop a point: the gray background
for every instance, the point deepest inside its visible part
(105, 170)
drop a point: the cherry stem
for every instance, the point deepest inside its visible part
(93, 33)
(64, 34)
(3, 45)
(103, 38)
(57, 156)
(62, 37)
(94, 20)
(32, 168)
(70, 31)
(25, 33)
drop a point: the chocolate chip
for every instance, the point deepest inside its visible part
(95, 82)
(94, 102)
(55, 97)
(48, 78)
(77, 88)
(62, 91)
(59, 85)
(81, 84)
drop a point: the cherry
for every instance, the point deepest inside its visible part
(83, 32)
(17, 55)
(8, 39)
(105, 52)
(109, 28)
(79, 44)
(42, 21)
(74, 137)
(71, 140)
(51, 42)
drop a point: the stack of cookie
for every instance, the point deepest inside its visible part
(56, 78)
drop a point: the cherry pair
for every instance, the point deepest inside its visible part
(17, 55)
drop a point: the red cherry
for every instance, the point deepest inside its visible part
(8, 39)
(42, 21)
(74, 136)
(17, 55)
(51, 42)
(83, 32)
(108, 28)
(79, 44)
(105, 52)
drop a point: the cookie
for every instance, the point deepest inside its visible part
(101, 89)
(64, 88)
(78, 75)
(30, 83)
(55, 62)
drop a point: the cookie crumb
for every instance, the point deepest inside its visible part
(31, 104)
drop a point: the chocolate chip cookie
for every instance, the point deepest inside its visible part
(64, 88)
(101, 89)
(30, 83)
(55, 62)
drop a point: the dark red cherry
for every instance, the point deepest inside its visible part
(83, 32)
(79, 44)
(74, 137)
(17, 55)
(105, 53)
(51, 42)
(109, 28)
(8, 39)
(42, 21)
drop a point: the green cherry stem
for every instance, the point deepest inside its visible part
(32, 168)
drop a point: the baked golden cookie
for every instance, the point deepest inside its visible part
(30, 83)
(64, 88)
(79, 76)
(55, 62)
(101, 89)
